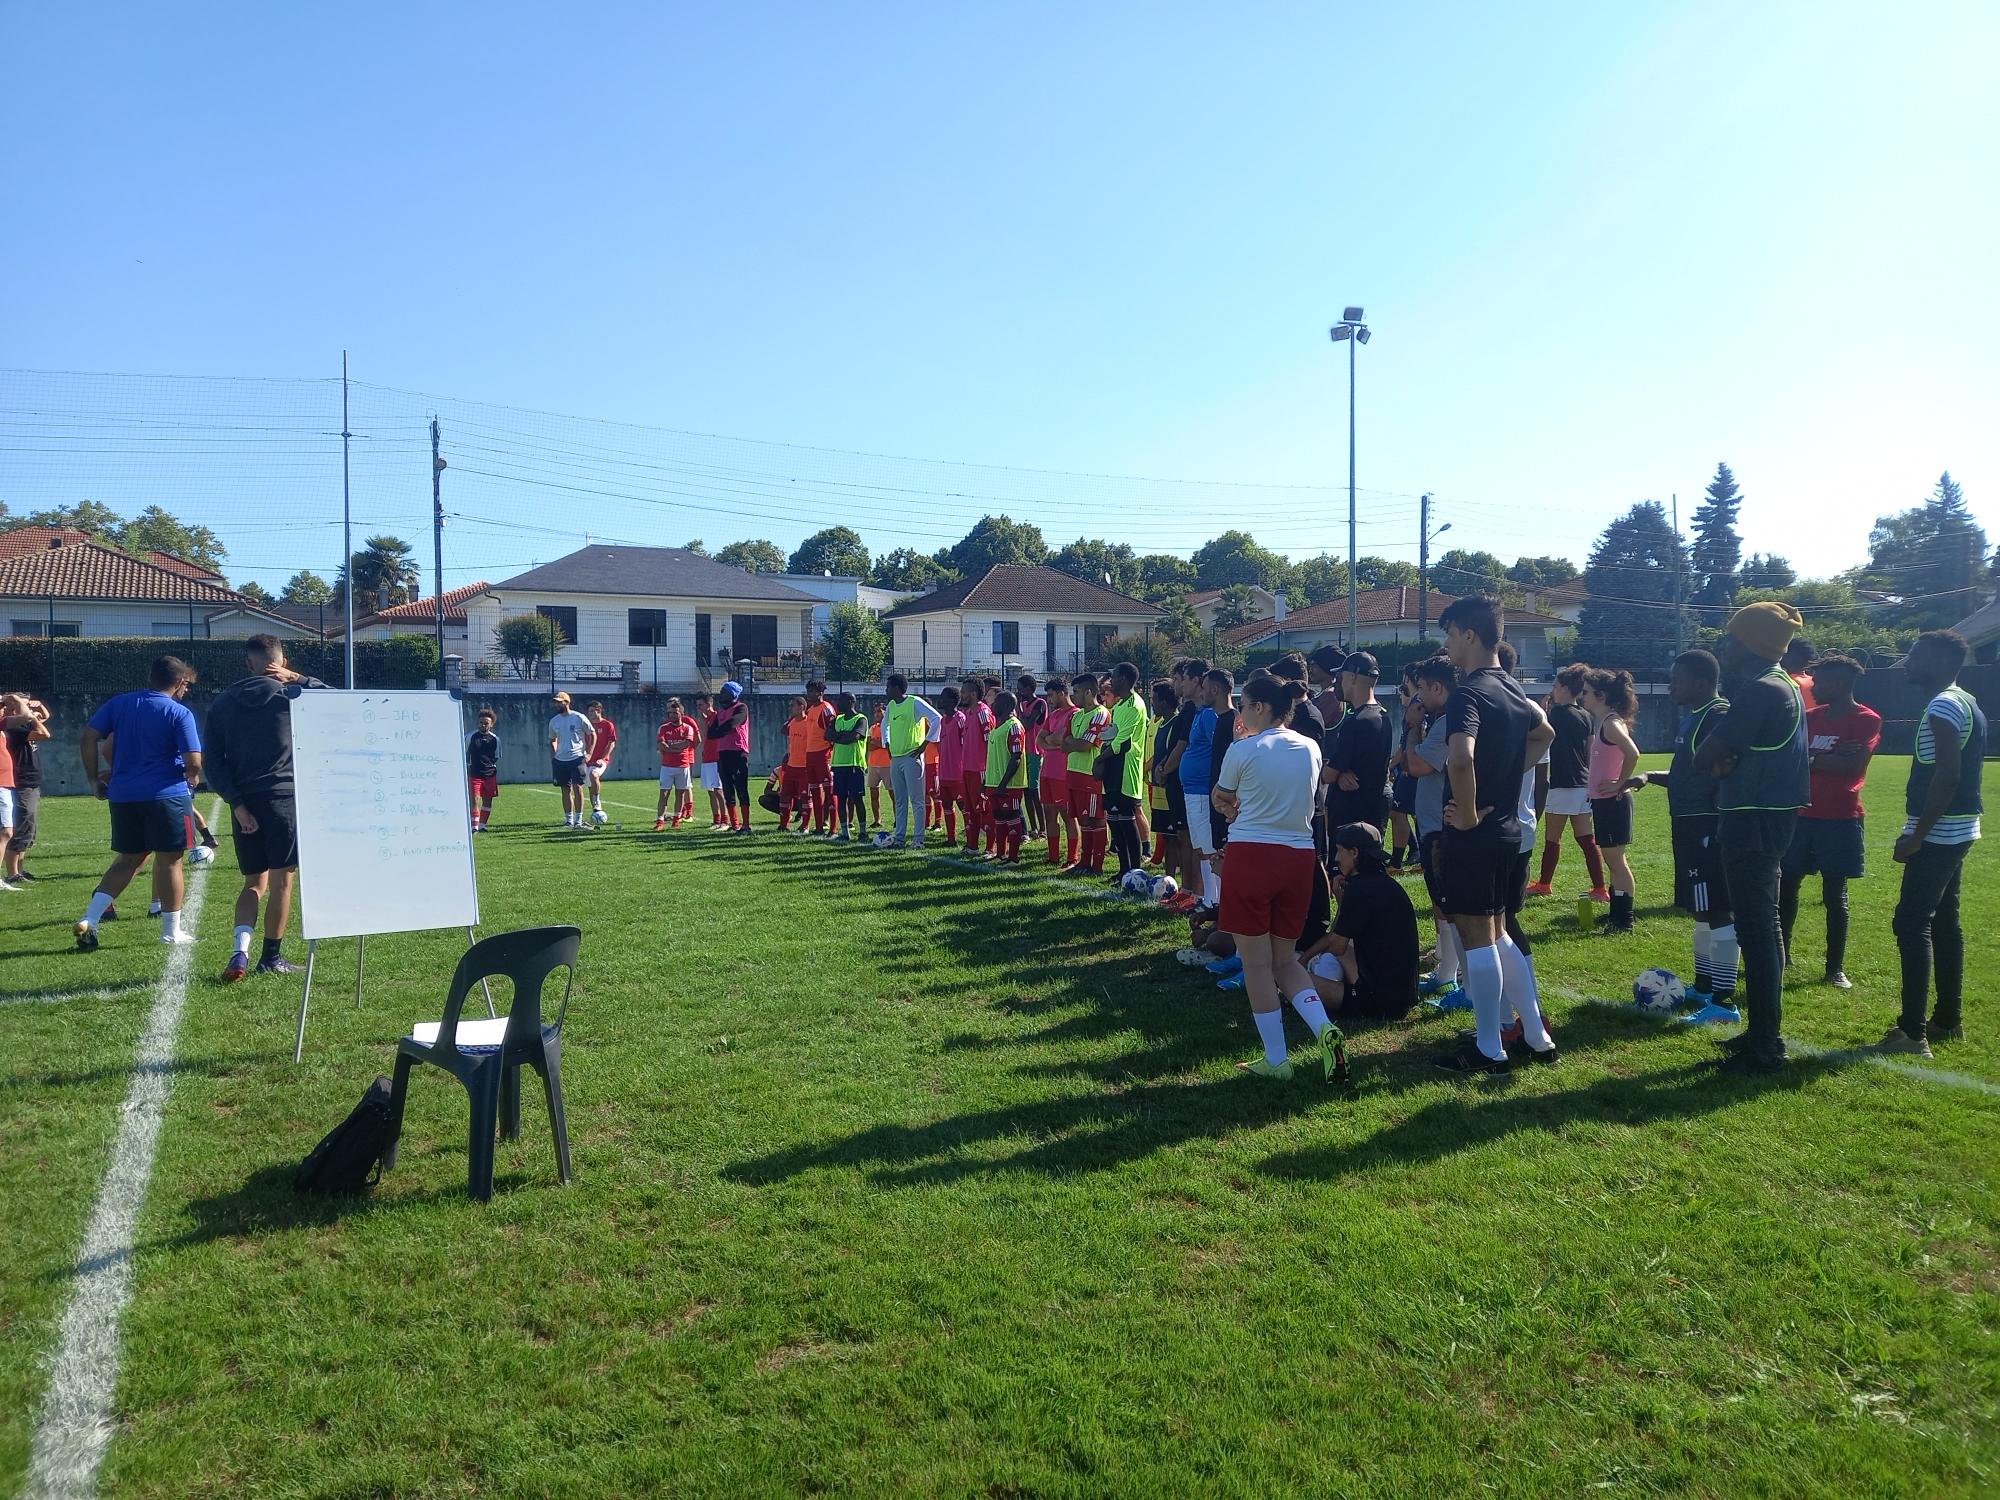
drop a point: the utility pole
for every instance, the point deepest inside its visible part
(1680, 581)
(437, 547)
(346, 523)
(1423, 566)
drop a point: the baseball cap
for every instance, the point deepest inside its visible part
(1362, 664)
(1328, 658)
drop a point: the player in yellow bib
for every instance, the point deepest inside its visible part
(1006, 780)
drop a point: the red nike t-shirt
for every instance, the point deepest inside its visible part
(600, 741)
(1836, 795)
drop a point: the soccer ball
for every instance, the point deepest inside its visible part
(200, 854)
(884, 838)
(599, 816)
(1166, 888)
(1657, 991)
(1136, 883)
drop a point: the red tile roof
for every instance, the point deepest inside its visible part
(25, 539)
(91, 570)
(1027, 587)
(424, 611)
(183, 565)
(1371, 607)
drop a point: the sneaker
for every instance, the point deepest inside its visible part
(152, 908)
(1454, 998)
(1333, 1052)
(1896, 1041)
(1713, 1013)
(86, 937)
(1264, 1068)
(1230, 981)
(1937, 1033)
(9, 886)
(1469, 1059)
(1537, 888)
(840, 838)
(1747, 1061)
(1192, 958)
(1230, 965)
(1839, 980)
(208, 838)
(178, 940)
(236, 968)
(110, 914)
(659, 824)
(279, 965)
(1430, 984)
(28, 875)
(1547, 1055)
(1600, 894)
(1735, 1045)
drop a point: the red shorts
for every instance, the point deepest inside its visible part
(484, 788)
(1265, 888)
(819, 768)
(1086, 796)
(932, 780)
(1005, 803)
(794, 780)
(975, 788)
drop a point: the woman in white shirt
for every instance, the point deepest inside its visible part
(1265, 789)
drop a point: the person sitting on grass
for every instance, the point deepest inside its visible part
(1372, 947)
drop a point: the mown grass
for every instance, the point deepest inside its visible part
(897, 1177)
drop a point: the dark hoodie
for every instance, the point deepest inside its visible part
(248, 743)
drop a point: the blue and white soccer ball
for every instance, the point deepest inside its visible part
(1658, 991)
(1166, 888)
(599, 816)
(1152, 887)
(884, 838)
(201, 854)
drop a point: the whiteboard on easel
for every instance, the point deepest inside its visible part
(385, 834)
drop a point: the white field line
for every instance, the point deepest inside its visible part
(75, 1422)
(63, 997)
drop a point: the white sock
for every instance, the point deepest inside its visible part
(243, 941)
(1484, 986)
(1211, 885)
(1449, 951)
(1307, 1004)
(1704, 957)
(1271, 1027)
(1517, 977)
(99, 904)
(170, 924)
(1722, 964)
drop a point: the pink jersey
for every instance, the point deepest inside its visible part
(979, 722)
(1055, 763)
(951, 745)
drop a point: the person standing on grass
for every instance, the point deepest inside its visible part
(1798, 664)
(570, 737)
(603, 740)
(24, 724)
(908, 723)
(1759, 753)
(151, 791)
(482, 768)
(1186, 685)
(729, 731)
(711, 769)
(1089, 731)
(1410, 727)
(1426, 760)
(1058, 820)
(1941, 808)
(249, 765)
(978, 724)
(1325, 690)
(1166, 816)
(950, 762)
(849, 735)
(1701, 889)
(792, 793)
(1006, 779)
(1569, 784)
(819, 757)
(1841, 736)
(933, 786)
(1033, 712)
(1495, 735)
(1266, 792)
(1194, 771)
(1358, 749)
(1614, 755)
(1124, 776)
(678, 738)
(877, 775)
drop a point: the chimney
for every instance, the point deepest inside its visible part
(55, 541)
(1278, 613)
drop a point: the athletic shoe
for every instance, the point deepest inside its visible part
(110, 914)
(178, 940)
(1735, 1044)
(86, 937)
(1937, 1033)
(1264, 1068)
(1192, 958)
(9, 887)
(1430, 984)
(1454, 998)
(208, 838)
(1233, 964)
(1182, 904)
(279, 965)
(1747, 1061)
(1712, 1012)
(1547, 1055)
(236, 968)
(1469, 1059)
(1896, 1041)
(840, 838)
(1600, 894)
(152, 908)
(1333, 1052)
(658, 824)
(1537, 888)
(1839, 980)
(28, 875)
(1231, 982)
(744, 829)
(1203, 913)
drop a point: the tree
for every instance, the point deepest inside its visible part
(836, 550)
(305, 587)
(1178, 622)
(256, 593)
(1152, 654)
(1836, 619)
(384, 572)
(694, 545)
(154, 529)
(995, 540)
(908, 570)
(1933, 556)
(1542, 572)
(526, 641)
(1235, 557)
(1465, 571)
(856, 645)
(1163, 576)
(1091, 560)
(1237, 606)
(753, 557)
(1317, 580)
(1717, 548)
(1766, 570)
(1381, 573)
(87, 516)
(1637, 572)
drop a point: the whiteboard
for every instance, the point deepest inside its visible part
(385, 834)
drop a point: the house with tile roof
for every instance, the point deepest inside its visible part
(1264, 605)
(1389, 616)
(417, 617)
(1014, 616)
(55, 581)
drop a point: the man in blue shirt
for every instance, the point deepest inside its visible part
(156, 762)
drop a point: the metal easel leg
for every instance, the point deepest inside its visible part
(469, 941)
(305, 994)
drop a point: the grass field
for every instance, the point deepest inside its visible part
(894, 1177)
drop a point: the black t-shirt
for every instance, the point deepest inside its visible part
(1360, 743)
(27, 759)
(1569, 756)
(1376, 917)
(1490, 706)
(1306, 720)
(482, 754)
(247, 749)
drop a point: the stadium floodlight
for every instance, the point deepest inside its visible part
(1350, 331)
(1350, 315)
(1340, 331)
(1362, 334)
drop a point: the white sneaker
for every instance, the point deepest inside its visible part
(8, 886)
(1193, 957)
(178, 940)
(153, 909)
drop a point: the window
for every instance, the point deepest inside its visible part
(645, 627)
(754, 636)
(170, 630)
(564, 616)
(47, 627)
(1006, 637)
(1094, 637)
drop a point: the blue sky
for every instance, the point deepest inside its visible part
(1602, 247)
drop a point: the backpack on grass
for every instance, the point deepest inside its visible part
(342, 1164)
(769, 799)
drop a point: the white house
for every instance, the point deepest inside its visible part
(1563, 600)
(59, 582)
(837, 588)
(1264, 605)
(685, 619)
(418, 617)
(1014, 617)
(1387, 617)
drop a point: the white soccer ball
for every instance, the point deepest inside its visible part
(1137, 882)
(1166, 888)
(1657, 991)
(599, 816)
(884, 838)
(200, 854)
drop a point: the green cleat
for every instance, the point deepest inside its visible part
(1333, 1053)
(1262, 1068)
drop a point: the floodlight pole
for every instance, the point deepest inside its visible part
(437, 548)
(346, 525)
(1352, 616)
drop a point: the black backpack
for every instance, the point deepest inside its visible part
(342, 1164)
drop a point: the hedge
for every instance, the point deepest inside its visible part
(111, 664)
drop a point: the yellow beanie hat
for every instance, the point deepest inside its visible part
(1766, 627)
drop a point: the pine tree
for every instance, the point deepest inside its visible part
(1933, 556)
(1717, 548)
(1637, 572)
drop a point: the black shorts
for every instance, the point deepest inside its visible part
(566, 772)
(275, 844)
(1517, 883)
(1168, 819)
(849, 781)
(1432, 853)
(1612, 817)
(1479, 864)
(159, 825)
(1118, 805)
(1826, 846)
(1403, 794)
(1700, 889)
(1177, 804)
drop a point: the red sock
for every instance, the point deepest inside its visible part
(1588, 843)
(1053, 833)
(950, 823)
(1551, 853)
(1071, 848)
(1014, 843)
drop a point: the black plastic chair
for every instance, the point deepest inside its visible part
(489, 1059)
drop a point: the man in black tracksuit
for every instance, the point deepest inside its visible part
(249, 765)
